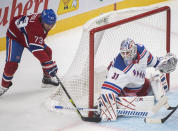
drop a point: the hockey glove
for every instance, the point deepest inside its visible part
(50, 68)
(167, 63)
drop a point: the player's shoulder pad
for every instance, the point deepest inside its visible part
(119, 63)
(140, 48)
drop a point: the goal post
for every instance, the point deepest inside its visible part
(118, 23)
(100, 44)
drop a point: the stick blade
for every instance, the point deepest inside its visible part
(91, 119)
(152, 121)
(161, 120)
(173, 110)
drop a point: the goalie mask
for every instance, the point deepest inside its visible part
(128, 51)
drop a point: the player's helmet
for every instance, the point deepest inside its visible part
(128, 50)
(48, 16)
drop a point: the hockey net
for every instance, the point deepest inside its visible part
(100, 44)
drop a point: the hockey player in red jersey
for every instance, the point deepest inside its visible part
(29, 32)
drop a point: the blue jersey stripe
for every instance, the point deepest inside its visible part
(110, 90)
(106, 82)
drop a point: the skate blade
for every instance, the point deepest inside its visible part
(47, 86)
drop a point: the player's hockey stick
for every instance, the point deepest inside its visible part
(90, 119)
(162, 120)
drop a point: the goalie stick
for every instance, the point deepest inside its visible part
(98, 119)
(163, 102)
(162, 120)
(124, 112)
(89, 119)
(130, 113)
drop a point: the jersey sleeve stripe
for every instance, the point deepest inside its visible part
(26, 40)
(128, 68)
(143, 53)
(111, 87)
(112, 84)
(12, 33)
(150, 59)
(157, 62)
(23, 30)
(110, 90)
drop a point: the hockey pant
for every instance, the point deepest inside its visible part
(144, 91)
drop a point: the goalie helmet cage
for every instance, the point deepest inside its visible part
(100, 44)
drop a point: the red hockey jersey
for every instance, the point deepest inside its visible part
(29, 32)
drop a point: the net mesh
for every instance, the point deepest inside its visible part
(150, 31)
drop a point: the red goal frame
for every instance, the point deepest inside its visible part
(120, 22)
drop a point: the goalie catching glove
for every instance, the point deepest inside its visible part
(167, 63)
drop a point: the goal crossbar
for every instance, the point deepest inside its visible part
(111, 25)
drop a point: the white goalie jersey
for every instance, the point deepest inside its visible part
(125, 80)
(132, 76)
(130, 80)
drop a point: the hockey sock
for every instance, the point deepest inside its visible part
(9, 70)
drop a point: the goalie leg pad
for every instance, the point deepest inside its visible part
(107, 105)
(159, 85)
(164, 82)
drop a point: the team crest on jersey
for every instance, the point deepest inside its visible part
(138, 74)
